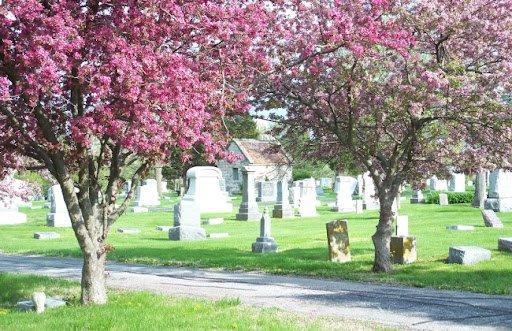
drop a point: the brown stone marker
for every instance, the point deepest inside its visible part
(337, 240)
(403, 249)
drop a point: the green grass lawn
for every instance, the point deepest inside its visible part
(143, 311)
(303, 247)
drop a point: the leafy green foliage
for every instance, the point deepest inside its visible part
(453, 197)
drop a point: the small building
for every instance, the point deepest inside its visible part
(267, 157)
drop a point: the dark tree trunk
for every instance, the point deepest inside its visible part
(94, 289)
(480, 190)
(382, 237)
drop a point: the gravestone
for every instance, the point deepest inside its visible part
(443, 199)
(460, 228)
(218, 235)
(457, 183)
(417, 197)
(58, 216)
(128, 230)
(205, 191)
(326, 182)
(320, 191)
(307, 202)
(500, 191)
(282, 208)
(438, 184)
(346, 187)
(127, 186)
(146, 194)
(29, 305)
(370, 201)
(295, 194)
(46, 235)
(359, 206)
(266, 191)
(265, 243)
(505, 244)
(9, 214)
(214, 221)
(468, 255)
(403, 249)
(338, 241)
(491, 220)
(187, 222)
(140, 210)
(402, 226)
(249, 207)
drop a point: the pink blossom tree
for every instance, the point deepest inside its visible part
(401, 90)
(90, 88)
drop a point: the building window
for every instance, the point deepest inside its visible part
(236, 176)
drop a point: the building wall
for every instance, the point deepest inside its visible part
(263, 172)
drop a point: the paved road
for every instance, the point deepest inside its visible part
(404, 307)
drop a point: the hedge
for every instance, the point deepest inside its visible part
(453, 197)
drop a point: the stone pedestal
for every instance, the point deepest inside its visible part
(500, 191)
(338, 242)
(346, 187)
(403, 249)
(282, 209)
(58, 216)
(187, 222)
(491, 220)
(417, 197)
(505, 244)
(402, 226)
(249, 207)
(265, 243)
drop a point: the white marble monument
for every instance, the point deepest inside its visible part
(370, 200)
(438, 184)
(307, 200)
(59, 215)
(147, 194)
(346, 187)
(457, 183)
(187, 222)
(500, 191)
(9, 214)
(205, 191)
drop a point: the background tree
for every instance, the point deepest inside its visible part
(407, 89)
(89, 89)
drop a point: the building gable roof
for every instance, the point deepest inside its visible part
(262, 152)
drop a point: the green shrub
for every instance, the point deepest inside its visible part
(453, 197)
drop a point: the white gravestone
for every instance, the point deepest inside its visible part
(370, 201)
(402, 226)
(248, 210)
(59, 215)
(187, 222)
(457, 183)
(500, 191)
(307, 200)
(344, 202)
(267, 191)
(295, 194)
(205, 191)
(438, 184)
(147, 194)
(443, 199)
(9, 214)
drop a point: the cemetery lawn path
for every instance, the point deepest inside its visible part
(394, 306)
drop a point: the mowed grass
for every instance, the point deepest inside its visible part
(303, 246)
(142, 311)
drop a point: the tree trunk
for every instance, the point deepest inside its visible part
(93, 279)
(382, 237)
(480, 190)
(158, 171)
